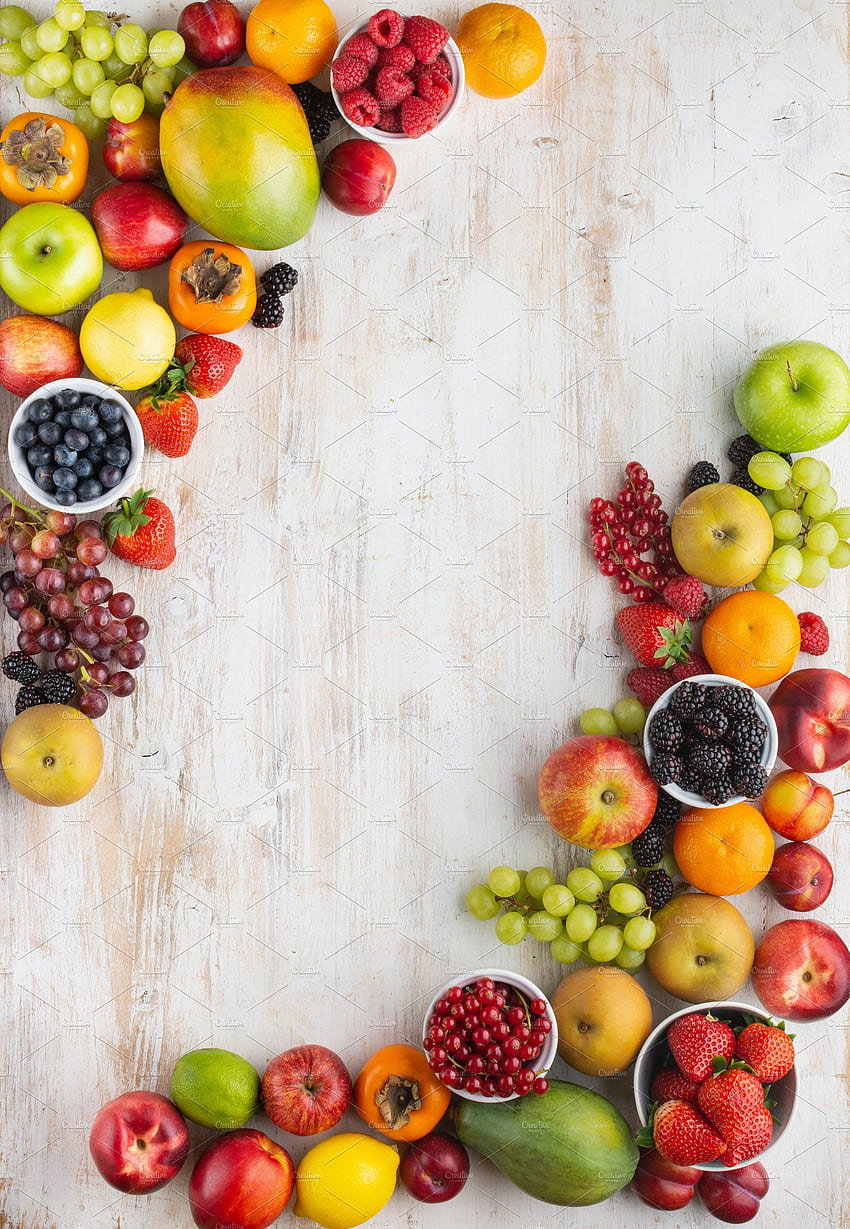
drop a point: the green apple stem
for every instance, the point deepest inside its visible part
(791, 376)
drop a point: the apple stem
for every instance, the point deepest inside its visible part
(791, 376)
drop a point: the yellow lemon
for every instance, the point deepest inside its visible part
(127, 339)
(345, 1180)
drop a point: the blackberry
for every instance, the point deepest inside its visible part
(691, 780)
(648, 846)
(742, 479)
(657, 887)
(320, 127)
(268, 314)
(668, 810)
(58, 688)
(280, 279)
(702, 474)
(742, 448)
(737, 701)
(749, 734)
(717, 790)
(666, 768)
(28, 697)
(665, 731)
(749, 781)
(687, 700)
(709, 759)
(746, 757)
(21, 668)
(319, 108)
(711, 722)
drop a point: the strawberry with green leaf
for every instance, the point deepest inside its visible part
(141, 531)
(733, 1102)
(655, 634)
(168, 415)
(207, 362)
(767, 1048)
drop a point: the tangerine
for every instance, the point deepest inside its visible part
(503, 49)
(751, 636)
(723, 851)
(295, 39)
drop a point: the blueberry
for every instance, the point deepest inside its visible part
(63, 419)
(84, 467)
(39, 454)
(78, 440)
(40, 410)
(44, 477)
(95, 455)
(67, 399)
(64, 456)
(64, 479)
(97, 436)
(89, 402)
(110, 411)
(25, 435)
(110, 475)
(83, 419)
(88, 489)
(116, 454)
(65, 497)
(114, 430)
(49, 433)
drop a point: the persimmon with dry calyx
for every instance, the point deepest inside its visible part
(398, 1094)
(42, 158)
(212, 287)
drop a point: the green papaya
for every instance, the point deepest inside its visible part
(567, 1146)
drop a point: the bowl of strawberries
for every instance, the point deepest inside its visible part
(395, 78)
(715, 1085)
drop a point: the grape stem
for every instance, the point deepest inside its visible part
(38, 517)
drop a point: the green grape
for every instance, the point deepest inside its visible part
(13, 62)
(564, 950)
(784, 565)
(537, 880)
(765, 585)
(70, 97)
(580, 924)
(826, 473)
(814, 571)
(166, 48)
(29, 43)
(769, 470)
(69, 14)
(822, 538)
(639, 933)
(786, 524)
(14, 20)
(767, 499)
(50, 36)
(183, 70)
(54, 69)
(154, 86)
(91, 125)
(840, 518)
(608, 864)
(818, 504)
(88, 75)
(101, 100)
(115, 68)
(840, 557)
(786, 497)
(94, 17)
(558, 900)
(807, 473)
(626, 898)
(503, 881)
(128, 103)
(630, 715)
(605, 943)
(522, 893)
(96, 43)
(628, 958)
(598, 721)
(34, 85)
(481, 902)
(583, 884)
(131, 43)
(511, 928)
(544, 926)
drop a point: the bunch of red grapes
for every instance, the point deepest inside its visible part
(634, 525)
(66, 609)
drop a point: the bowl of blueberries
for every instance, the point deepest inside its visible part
(76, 443)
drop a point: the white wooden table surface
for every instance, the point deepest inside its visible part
(383, 615)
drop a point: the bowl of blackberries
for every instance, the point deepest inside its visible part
(710, 741)
(76, 443)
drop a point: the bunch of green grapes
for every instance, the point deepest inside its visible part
(810, 533)
(599, 916)
(628, 716)
(97, 68)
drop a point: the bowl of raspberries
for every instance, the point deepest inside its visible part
(395, 78)
(711, 741)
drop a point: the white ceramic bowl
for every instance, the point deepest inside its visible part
(654, 1054)
(128, 483)
(452, 54)
(530, 991)
(769, 750)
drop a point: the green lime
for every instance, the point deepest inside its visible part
(215, 1088)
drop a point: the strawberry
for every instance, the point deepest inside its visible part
(648, 683)
(733, 1102)
(686, 595)
(754, 1140)
(654, 633)
(695, 1040)
(693, 664)
(168, 416)
(141, 531)
(669, 1084)
(766, 1048)
(683, 1135)
(208, 363)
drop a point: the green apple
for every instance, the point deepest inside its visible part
(794, 396)
(50, 260)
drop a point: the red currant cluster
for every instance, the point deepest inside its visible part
(623, 531)
(486, 1037)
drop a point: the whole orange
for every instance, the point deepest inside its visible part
(503, 49)
(751, 636)
(723, 851)
(294, 38)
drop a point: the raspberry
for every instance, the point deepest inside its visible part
(392, 86)
(389, 120)
(687, 669)
(648, 683)
(814, 634)
(347, 72)
(435, 89)
(425, 38)
(364, 48)
(387, 28)
(702, 474)
(360, 107)
(686, 595)
(417, 117)
(396, 57)
(441, 67)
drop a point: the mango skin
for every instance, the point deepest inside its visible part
(237, 154)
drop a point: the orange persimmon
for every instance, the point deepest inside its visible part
(42, 158)
(398, 1094)
(211, 287)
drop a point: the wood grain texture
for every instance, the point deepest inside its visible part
(383, 617)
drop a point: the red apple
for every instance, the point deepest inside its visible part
(596, 791)
(796, 806)
(306, 1090)
(34, 350)
(800, 876)
(802, 970)
(358, 176)
(139, 1142)
(435, 1168)
(735, 1196)
(131, 151)
(663, 1184)
(242, 1180)
(138, 225)
(213, 31)
(812, 711)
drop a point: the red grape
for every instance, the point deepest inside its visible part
(122, 606)
(27, 563)
(67, 660)
(98, 672)
(93, 703)
(97, 618)
(50, 581)
(31, 619)
(45, 544)
(122, 683)
(92, 550)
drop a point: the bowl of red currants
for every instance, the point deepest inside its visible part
(76, 445)
(491, 1035)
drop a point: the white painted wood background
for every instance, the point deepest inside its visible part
(383, 616)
